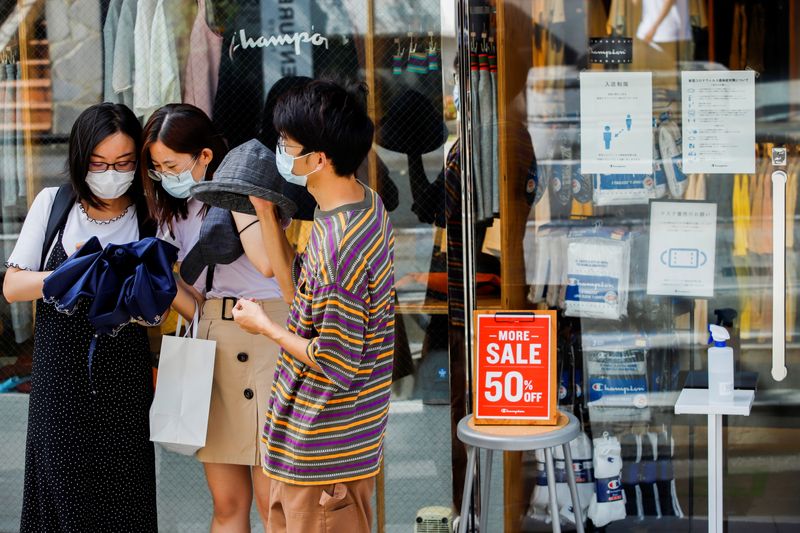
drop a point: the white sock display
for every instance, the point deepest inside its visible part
(608, 505)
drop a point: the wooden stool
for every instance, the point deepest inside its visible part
(516, 439)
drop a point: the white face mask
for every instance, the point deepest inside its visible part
(177, 185)
(285, 164)
(110, 184)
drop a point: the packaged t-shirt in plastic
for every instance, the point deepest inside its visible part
(598, 269)
(616, 376)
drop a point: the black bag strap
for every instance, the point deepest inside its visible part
(62, 204)
(210, 277)
(147, 226)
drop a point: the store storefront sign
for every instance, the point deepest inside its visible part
(616, 123)
(515, 368)
(610, 50)
(677, 266)
(719, 125)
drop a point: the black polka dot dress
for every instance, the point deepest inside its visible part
(89, 464)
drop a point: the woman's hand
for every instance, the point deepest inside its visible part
(251, 317)
(262, 206)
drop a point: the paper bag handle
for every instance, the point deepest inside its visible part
(189, 327)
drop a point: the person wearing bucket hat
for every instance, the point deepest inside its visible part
(337, 347)
(221, 258)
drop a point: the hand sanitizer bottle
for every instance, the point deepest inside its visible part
(720, 366)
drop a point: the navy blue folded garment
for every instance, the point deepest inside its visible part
(122, 281)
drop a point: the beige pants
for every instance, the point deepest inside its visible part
(336, 508)
(243, 372)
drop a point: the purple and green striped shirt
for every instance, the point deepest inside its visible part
(327, 427)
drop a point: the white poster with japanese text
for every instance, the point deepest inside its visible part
(683, 240)
(719, 122)
(616, 123)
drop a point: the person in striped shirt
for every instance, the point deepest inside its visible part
(328, 409)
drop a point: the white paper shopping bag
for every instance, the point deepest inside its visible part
(179, 413)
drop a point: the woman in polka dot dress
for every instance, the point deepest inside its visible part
(89, 464)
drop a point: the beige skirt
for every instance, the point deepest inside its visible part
(243, 372)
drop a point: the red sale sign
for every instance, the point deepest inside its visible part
(515, 368)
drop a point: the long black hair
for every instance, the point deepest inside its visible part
(185, 129)
(92, 127)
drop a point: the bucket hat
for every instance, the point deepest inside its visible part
(218, 244)
(249, 169)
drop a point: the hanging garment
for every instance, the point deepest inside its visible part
(164, 85)
(486, 141)
(756, 31)
(22, 185)
(142, 59)
(477, 167)
(109, 39)
(417, 62)
(240, 91)
(791, 200)
(495, 153)
(617, 21)
(202, 66)
(124, 65)
(12, 174)
(741, 214)
(696, 190)
(738, 56)
(9, 148)
(698, 13)
(760, 237)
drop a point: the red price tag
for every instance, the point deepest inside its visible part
(515, 368)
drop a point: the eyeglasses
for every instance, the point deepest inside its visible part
(157, 175)
(119, 166)
(283, 146)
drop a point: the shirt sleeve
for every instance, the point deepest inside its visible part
(341, 317)
(27, 253)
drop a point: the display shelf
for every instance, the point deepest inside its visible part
(695, 402)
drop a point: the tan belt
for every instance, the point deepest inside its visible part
(220, 308)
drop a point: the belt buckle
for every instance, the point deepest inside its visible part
(225, 315)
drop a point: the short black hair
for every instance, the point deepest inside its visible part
(91, 127)
(325, 117)
(269, 135)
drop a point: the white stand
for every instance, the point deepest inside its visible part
(695, 402)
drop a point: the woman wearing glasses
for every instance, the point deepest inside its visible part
(89, 464)
(180, 149)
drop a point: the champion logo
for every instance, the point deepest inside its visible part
(597, 387)
(613, 484)
(261, 41)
